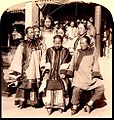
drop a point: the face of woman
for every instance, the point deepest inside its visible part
(89, 24)
(47, 23)
(30, 33)
(83, 43)
(36, 33)
(81, 29)
(72, 23)
(61, 32)
(57, 43)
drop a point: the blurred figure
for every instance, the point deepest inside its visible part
(66, 24)
(68, 43)
(56, 27)
(16, 37)
(90, 28)
(71, 31)
(104, 44)
(61, 31)
(37, 37)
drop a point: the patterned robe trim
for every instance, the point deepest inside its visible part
(96, 74)
(47, 67)
(14, 74)
(70, 73)
(53, 56)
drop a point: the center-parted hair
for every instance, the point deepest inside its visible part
(58, 36)
(50, 18)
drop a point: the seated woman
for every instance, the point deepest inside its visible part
(54, 80)
(84, 65)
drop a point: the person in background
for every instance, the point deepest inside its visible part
(56, 27)
(84, 68)
(71, 31)
(16, 37)
(25, 69)
(66, 42)
(66, 24)
(55, 84)
(82, 31)
(109, 42)
(90, 28)
(61, 31)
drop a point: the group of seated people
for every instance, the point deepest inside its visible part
(56, 69)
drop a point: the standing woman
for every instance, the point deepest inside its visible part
(91, 31)
(48, 31)
(25, 69)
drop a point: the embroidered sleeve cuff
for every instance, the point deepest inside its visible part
(15, 73)
(96, 74)
(46, 71)
(69, 73)
(63, 72)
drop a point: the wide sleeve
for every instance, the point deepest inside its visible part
(15, 68)
(96, 67)
(48, 64)
(72, 64)
(65, 64)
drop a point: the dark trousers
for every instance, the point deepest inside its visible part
(77, 93)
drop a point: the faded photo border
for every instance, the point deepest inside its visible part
(108, 4)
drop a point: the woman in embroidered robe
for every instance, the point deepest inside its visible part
(25, 68)
(84, 69)
(56, 90)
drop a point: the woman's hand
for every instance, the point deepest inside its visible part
(62, 76)
(46, 76)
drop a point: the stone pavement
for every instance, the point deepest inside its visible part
(9, 110)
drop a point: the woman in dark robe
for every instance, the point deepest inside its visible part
(57, 62)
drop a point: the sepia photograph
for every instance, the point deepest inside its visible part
(56, 58)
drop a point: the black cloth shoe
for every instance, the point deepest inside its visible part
(74, 111)
(22, 104)
(88, 108)
(16, 102)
